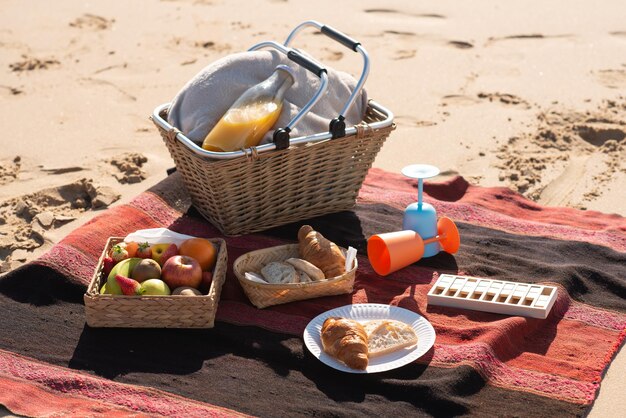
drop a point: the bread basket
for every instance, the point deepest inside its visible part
(112, 311)
(263, 295)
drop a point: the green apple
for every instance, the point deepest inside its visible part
(155, 287)
(103, 289)
(124, 268)
(161, 252)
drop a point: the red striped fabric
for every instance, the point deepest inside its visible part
(562, 357)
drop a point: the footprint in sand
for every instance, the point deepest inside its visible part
(560, 190)
(412, 121)
(240, 25)
(25, 219)
(403, 54)
(208, 45)
(505, 98)
(129, 167)
(554, 163)
(330, 55)
(398, 33)
(30, 64)
(461, 44)
(392, 11)
(529, 36)
(599, 134)
(13, 91)
(9, 169)
(458, 100)
(613, 79)
(93, 22)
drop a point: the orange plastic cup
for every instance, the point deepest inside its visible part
(392, 251)
(450, 240)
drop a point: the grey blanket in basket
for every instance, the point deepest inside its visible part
(208, 95)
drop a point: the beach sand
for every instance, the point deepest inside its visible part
(529, 96)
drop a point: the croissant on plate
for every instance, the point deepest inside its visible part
(346, 340)
(320, 252)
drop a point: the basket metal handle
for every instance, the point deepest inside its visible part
(337, 126)
(281, 135)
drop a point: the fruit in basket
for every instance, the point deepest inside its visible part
(124, 267)
(107, 265)
(201, 249)
(131, 249)
(207, 278)
(146, 269)
(162, 252)
(129, 286)
(155, 287)
(186, 291)
(144, 250)
(181, 270)
(103, 290)
(119, 253)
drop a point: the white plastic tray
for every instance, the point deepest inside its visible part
(497, 296)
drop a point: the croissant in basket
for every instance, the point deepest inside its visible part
(320, 252)
(346, 340)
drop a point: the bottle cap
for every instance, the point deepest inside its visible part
(288, 70)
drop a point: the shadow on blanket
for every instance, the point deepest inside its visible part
(40, 285)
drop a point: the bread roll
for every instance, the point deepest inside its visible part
(388, 336)
(303, 277)
(304, 266)
(279, 273)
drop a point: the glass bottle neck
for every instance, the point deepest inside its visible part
(278, 83)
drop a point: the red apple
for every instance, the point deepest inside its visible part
(162, 252)
(181, 270)
(205, 285)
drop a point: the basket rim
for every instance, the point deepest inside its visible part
(175, 134)
(250, 283)
(94, 294)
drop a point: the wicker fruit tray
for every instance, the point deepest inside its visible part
(154, 311)
(263, 295)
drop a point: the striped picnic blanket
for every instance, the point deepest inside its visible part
(254, 361)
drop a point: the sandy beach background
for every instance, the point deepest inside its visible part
(530, 96)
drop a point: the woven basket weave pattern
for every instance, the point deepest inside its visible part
(245, 195)
(154, 311)
(263, 295)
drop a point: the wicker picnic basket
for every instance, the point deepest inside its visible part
(109, 311)
(275, 184)
(263, 295)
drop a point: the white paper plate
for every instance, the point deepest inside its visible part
(366, 312)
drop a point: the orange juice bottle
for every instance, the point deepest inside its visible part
(252, 115)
